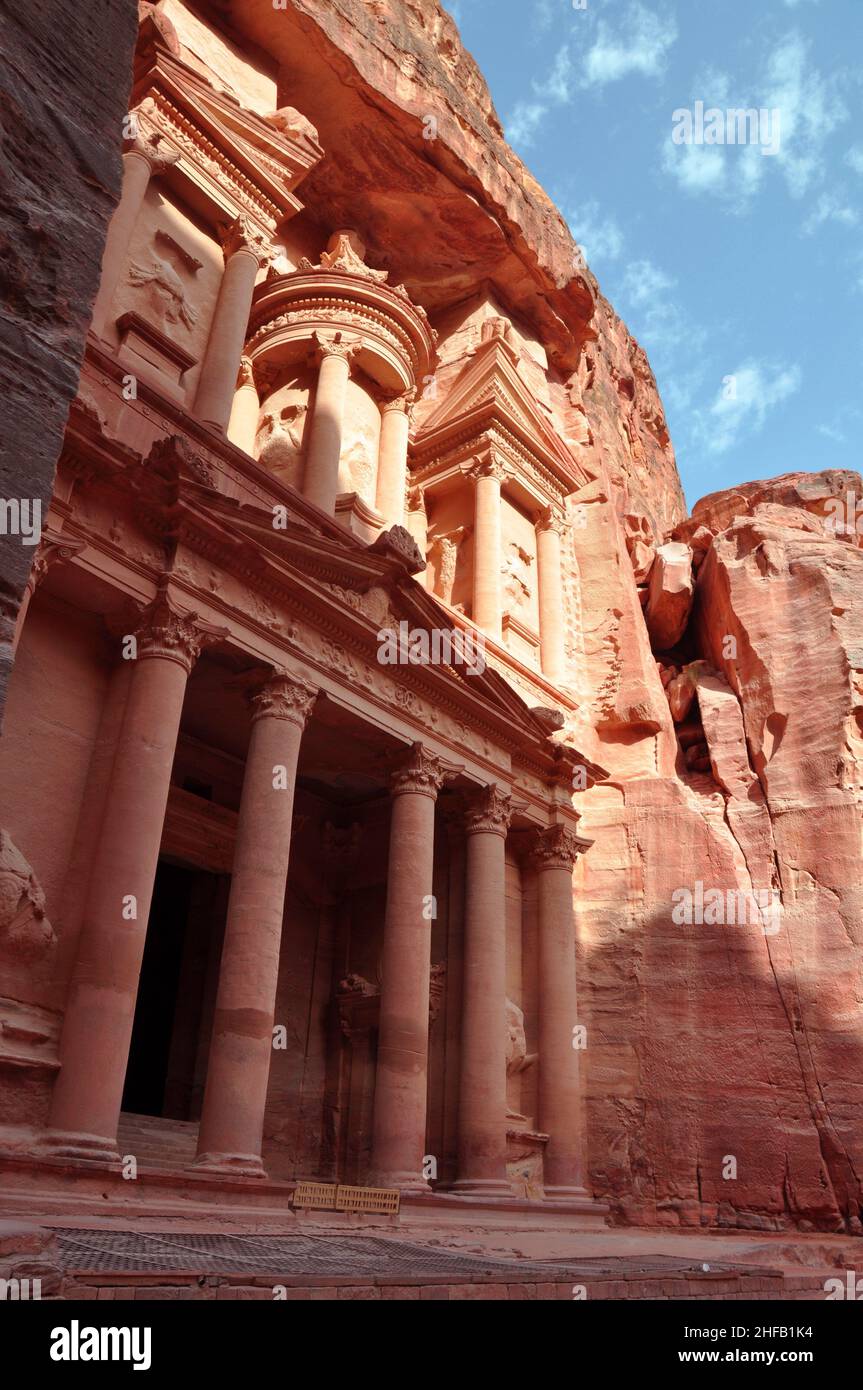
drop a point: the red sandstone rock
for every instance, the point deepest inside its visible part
(669, 597)
(61, 180)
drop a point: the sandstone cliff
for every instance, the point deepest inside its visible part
(60, 182)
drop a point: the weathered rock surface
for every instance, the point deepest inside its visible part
(669, 594)
(60, 182)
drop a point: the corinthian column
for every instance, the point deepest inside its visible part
(246, 251)
(393, 458)
(561, 1107)
(482, 1087)
(487, 477)
(321, 479)
(148, 154)
(232, 1119)
(401, 1084)
(551, 629)
(97, 1026)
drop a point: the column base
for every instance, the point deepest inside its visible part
(67, 1143)
(234, 1165)
(481, 1187)
(562, 1193)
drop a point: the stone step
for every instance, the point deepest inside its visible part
(157, 1142)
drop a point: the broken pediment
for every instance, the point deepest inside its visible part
(231, 160)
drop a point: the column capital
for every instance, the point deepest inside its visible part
(488, 466)
(148, 140)
(421, 773)
(551, 519)
(488, 810)
(281, 696)
(246, 373)
(415, 498)
(164, 631)
(400, 404)
(243, 235)
(53, 546)
(339, 345)
(557, 847)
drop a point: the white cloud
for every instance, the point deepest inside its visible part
(743, 403)
(638, 44)
(830, 207)
(557, 85)
(526, 118)
(804, 110)
(854, 157)
(599, 237)
(554, 90)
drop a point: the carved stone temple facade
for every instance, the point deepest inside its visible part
(286, 888)
(375, 702)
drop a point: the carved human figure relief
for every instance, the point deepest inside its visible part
(443, 553)
(280, 438)
(515, 570)
(164, 290)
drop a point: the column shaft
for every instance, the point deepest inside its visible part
(551, 615)
(401, 1084)
(487, 554)
(321, 478)
(482, 1086)
(241, 1048)
(97, 1027)
(215, 394)
(393, 461)
(560, 1101)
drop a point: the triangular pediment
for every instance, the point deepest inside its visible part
(490, 387)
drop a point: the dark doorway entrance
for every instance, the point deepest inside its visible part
(174, 1010)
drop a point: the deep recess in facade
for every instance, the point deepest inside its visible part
(274, 906)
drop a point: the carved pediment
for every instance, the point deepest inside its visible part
(232, 160)
(490, 388)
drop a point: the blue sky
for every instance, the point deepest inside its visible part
(741, 272)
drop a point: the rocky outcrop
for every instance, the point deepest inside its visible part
(62, 137)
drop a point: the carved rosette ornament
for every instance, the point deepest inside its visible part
(422, 774)
(283, 697)
(557, 848)
(163, 631)
(489, 810)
